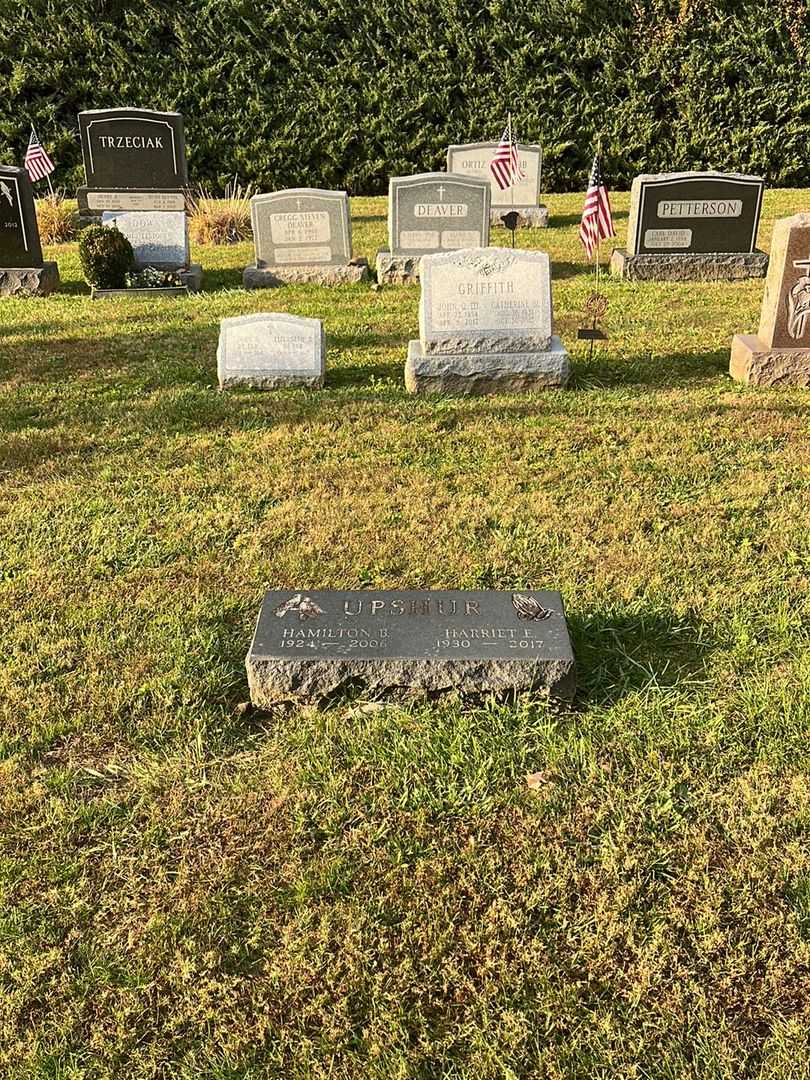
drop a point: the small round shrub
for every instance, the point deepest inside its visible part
(106, 257)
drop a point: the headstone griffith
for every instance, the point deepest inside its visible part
(22, 269)
(136, 179)
(428, 213)
(302, 235)
(271, 350)
(474, 159)
(779, 355)
(486, 325)
(309, 644)
(692, 227)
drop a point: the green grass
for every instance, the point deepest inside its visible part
(188, 889)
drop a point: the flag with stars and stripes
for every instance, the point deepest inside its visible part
(597, 220)
(505, 166)
(37, 162)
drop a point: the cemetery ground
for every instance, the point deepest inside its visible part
(192, 889)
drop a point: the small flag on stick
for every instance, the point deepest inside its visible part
(37, 162)
(505, 166)
(597, 219)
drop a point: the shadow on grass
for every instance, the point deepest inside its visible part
(603, 371)
(565, 220)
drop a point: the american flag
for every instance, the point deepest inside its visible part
(505, 166)
(597, 220)
(37, 162)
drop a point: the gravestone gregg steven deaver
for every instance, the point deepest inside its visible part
(301, 227)
(436, 212)
(133, 148)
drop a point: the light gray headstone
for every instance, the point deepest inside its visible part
(473, 160)
(491, 300)
(435, 212)
(159, 238)
(301, 227)
(271, 350)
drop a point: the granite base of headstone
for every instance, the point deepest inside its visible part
(528, 217)
(271, 277)
(271, 351)
(692, 227)
(485, 325)
(779, 354)
(308, 645)
(23, 271)
(21, 281)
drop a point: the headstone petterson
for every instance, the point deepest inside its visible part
(474, 159)
(22, 269)
(486, 325)
(692, 227)
(309, 644)
(136, 176)
(302, 235)
(431, 212)
(270, 351)
(779, 355)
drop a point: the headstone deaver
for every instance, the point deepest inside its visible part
(271, 350)
(486, 325)
(309, 644)
(692, 226)
(474, 159)
(779, 355)
(302, 235)
(428, 213)
(23, 272)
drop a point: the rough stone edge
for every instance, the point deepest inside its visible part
(731, 266)
(398, 269)
(20, 281)
(753, 363)
(273, 681)
(498, 380)
(271, 277)
(530, 217)
(272, 382)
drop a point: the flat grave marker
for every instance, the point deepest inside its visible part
(271, 350)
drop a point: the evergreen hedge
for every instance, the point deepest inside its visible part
(345, 93)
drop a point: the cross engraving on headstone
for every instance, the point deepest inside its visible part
(441, 192)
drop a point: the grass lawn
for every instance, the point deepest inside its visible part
(193, 890)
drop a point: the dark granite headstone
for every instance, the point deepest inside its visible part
(19, 233)
(308, 644)
(133, 148)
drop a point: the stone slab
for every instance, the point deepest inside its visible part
(271, 350)
(529, 217)
(271, 277)
(486, 373)
(92, 202)
(474, 159)
(191, 277)
(302, 227)
(133, 148)
(168, 291)
(695, 213)
(397, 269)
(436, 212)
(785, 318)
(308, 645)
(19, 231)
(29, 280)
(485, 300)
(753, 362)
(159, 238)
(711, 267)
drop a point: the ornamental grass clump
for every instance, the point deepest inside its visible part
(221, 221)
(57, 219)
(106, 257)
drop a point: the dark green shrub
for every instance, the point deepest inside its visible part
(106, 257)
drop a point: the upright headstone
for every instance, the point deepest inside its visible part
(692, 227)
(485, 325)
(474, 159)
(136, 176)
(22, 269)
(301, 235)
(428, 213)
(308, 645)
(271, 350)
(779, 355)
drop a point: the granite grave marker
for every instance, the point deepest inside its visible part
(779, 354)
(474, 159)
(23, 272)
(692, 227)
(158, 238)
(432, 212)
(271, 350)
(309, 644)
(486, 324)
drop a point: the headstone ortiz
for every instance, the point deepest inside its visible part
(308, 644)
(22, 269)
(431, 212)
(692, 227)
(302, 235)
(779, 355)
(474, 159)
(485, 325)
(269, 351)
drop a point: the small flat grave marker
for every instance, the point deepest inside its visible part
(271, 350)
